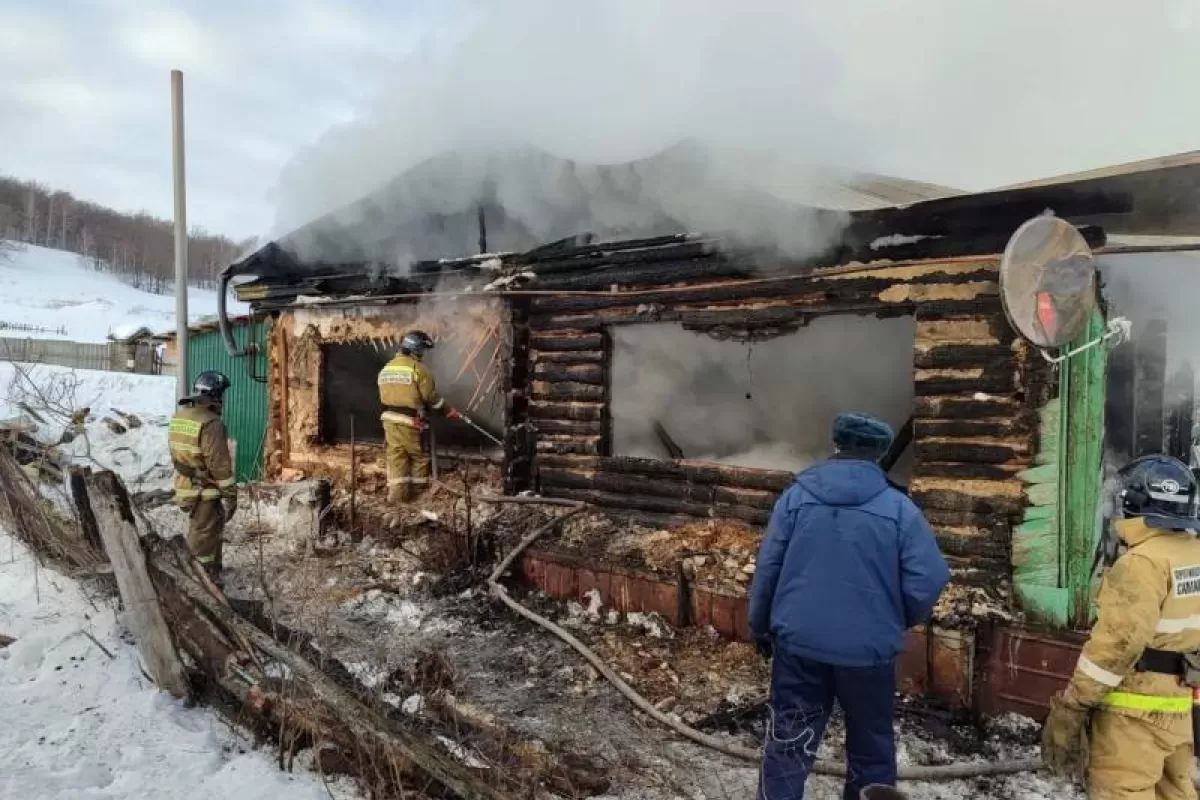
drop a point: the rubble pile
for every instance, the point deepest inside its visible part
(714, 553)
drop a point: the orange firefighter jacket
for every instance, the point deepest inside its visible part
(1150, 598)
(200, 453)
(407, 390)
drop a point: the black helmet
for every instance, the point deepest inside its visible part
(415, 343)
(211, 384)
(1160, 488)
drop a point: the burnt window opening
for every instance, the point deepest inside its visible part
(349, 388)
(766, 403)
(1150, 392)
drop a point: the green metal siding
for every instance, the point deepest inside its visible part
(246, 401)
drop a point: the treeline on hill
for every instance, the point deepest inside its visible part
(137, 247)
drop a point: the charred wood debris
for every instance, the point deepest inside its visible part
(978, 389)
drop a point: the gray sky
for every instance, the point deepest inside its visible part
(295, 106)
(85, 101)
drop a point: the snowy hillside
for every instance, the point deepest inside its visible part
(56, 290)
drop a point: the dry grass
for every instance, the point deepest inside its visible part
(33, 519)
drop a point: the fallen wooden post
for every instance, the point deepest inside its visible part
(114, 519)
(308, 701)
(87, 520)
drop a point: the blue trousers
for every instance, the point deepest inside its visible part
(802, 697)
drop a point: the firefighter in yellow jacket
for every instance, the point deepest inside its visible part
(408, 395)
(205, 488)
(1125, 718)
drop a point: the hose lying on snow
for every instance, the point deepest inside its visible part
(919, 773)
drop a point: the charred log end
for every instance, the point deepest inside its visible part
(107, 483)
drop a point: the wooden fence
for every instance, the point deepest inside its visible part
(140, 357)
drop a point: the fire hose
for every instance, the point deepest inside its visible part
(912, 773)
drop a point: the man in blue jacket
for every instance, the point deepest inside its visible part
(847, 565)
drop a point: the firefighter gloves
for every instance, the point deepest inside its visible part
(1065, 739)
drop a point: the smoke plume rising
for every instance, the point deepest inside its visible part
(1149, 287)
(768, 404)
(788, 99)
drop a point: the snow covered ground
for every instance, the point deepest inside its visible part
(79, 724)
(46, 396)
(56, 290)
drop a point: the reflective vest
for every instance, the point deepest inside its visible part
(407, 390)
(1149, 599)
(199, 454)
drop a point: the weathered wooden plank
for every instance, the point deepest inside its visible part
(972, 452)
(558, 477)
(814, 287)
(566, 356)
(693, 471)
(583, 445)
(83, 508)
(942, 356)
(968, 407)
(569, 427)
(974, 496)
(934, 330)
(566, 390)
(661, 505)
(994, 384)
(1004, 427)
(118, 529)
(580, 411)
(998, 472)
(581, 373)
(565, 341)
(972, 547)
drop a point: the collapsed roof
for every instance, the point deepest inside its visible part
(553, 224)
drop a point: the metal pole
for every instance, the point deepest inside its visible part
(181, 235)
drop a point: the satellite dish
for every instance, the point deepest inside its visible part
(1048, 282)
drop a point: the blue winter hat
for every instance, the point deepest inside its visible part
(862, 434)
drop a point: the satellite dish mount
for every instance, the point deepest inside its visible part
(1048, 288)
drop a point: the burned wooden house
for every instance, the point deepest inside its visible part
(673, 377)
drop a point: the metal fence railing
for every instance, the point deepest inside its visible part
(139, 357)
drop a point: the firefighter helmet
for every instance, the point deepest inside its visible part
(211, 384)
(415, 343)
(1159, 487)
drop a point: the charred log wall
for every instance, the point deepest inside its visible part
(977, 394)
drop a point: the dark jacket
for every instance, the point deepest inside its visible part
(847, 565)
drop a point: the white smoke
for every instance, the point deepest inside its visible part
(784, 97)
(1157, 287)
(767, 404)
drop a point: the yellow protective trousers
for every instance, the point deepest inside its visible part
(408, 460)
(1140, 758)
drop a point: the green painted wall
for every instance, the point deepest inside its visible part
(1055, 541)
(246, 401)
(1083, 451)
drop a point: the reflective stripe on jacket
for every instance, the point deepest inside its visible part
(407, 383)
(200, 454)
(1150, 598)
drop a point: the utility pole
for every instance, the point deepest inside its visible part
(181, 235)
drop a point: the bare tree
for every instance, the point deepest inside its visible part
(138, 247)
